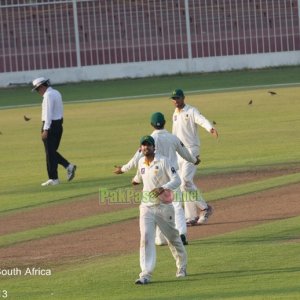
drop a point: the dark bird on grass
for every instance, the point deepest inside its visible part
(214, 122)
(250, 102)
(272, 93)
(26, 118)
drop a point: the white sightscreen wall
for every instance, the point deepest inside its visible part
(44, 35)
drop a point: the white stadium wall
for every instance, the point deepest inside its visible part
(71, 41)
(144, 69)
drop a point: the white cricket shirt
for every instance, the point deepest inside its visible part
(166, 144)
(52, 107)
(160, 173)
(185, 127)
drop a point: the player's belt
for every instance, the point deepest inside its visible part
(57, 121)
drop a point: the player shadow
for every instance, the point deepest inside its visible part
(177, 280)
(245, 221)
(227, 274)
(242, 241)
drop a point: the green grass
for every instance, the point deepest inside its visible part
(156, 85)
(131, 213)
(257, 263)
(99, 135)
(67, 227)
(252, 187)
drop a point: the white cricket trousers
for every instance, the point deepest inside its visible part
(187, 172)
(180, 223)
(161, 215)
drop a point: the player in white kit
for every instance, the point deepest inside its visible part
(185, 126)
(168, 145)
(157, 175)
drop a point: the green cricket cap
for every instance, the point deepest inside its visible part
(178, 93)
(158, 119)
(147, 139)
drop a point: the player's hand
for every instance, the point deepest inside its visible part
(214, 132)
(118, 170)
(198, 160)
(156, 192)
(44, 135)
(166, 197)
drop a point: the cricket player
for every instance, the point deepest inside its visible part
(157, 175)
(167, 145)
(186, 119)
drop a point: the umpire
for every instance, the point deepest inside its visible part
(52, 120)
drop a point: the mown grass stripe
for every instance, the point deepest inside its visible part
(253, 187)
(149, 95)
(68, 227)
(127, 214)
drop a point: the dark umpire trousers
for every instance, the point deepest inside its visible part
(53, 158)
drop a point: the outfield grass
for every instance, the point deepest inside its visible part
(99, 135)
(258, 263)
(156, 85)
(132, 213)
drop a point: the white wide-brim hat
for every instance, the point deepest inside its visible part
(38, 82)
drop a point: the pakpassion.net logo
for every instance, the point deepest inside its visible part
(133, 196)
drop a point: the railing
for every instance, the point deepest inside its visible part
(38, 34)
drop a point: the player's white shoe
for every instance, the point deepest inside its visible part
(192, 222)
(71, 171)
(204, 215)
(50, 182)
(142, 280)
(181, 272)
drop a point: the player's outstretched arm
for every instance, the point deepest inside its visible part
(184, 152)
(131, 164)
